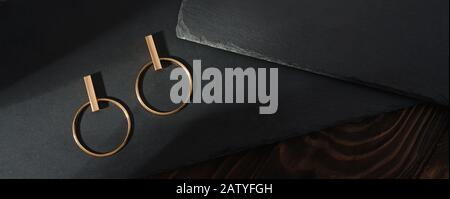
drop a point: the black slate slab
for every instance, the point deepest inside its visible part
(37, 103)
(399, 46)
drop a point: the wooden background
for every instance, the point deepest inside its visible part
(409, 143)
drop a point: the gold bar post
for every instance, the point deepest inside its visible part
(91, 93)
(153, 52)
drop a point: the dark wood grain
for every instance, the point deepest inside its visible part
(437, 167)
(411, 143)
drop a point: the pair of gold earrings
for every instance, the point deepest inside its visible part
(93, 100)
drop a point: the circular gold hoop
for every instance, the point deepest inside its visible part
(139, 95)
(85, 148)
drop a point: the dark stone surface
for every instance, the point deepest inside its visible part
(398, 46)
(82, 37)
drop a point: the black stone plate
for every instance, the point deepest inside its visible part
(399, 46)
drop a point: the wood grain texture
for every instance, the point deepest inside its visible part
(437, 167)
(410, 143)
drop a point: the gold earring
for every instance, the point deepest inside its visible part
(93, 102)
(156, 63)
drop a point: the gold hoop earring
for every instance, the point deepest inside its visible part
(156, 63)
(93, 103)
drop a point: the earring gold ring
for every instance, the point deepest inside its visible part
(93, 103)
(156, 64)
